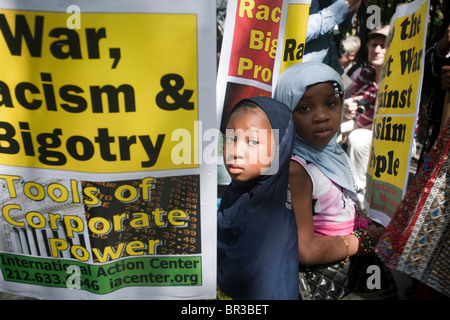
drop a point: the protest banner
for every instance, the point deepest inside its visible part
(292, 34)
(397, 108)
(104, 193)
(250, 62)
(249, 50)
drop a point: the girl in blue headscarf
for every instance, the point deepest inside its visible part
(257, 247)
(322, 179)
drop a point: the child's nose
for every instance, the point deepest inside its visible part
(321, 114)
(239, 149)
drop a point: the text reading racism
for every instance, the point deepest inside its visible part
(259, 40)
(33, 97)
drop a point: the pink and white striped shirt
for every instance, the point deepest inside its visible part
(334, 210)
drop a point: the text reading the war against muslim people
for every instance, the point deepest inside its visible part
(397, 94)
(397, 106)
(410, 62)
(81, 78)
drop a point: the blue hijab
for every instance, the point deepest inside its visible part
(331, 159)
(257, 249)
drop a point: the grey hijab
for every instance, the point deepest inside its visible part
(331, 159)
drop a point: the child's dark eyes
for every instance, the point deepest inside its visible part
(303, 108)
(331, 104)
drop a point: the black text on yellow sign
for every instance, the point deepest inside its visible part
(92, 99)
(403, 61)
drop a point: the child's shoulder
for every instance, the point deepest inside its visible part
(304, 163)
(320, 182)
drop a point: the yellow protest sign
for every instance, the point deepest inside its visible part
(105, 191)
(262, 38)
(403, 65)
(294, 33)
(397, 106)
(104, 98)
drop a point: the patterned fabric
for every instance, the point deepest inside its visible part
(366, 86)
(334, 211)
(417, 240)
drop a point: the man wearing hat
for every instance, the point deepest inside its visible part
(357, 125)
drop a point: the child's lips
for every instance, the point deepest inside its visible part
(234, 169)
(322, 132)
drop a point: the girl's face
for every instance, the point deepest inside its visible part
(249, 144)
(318, 114)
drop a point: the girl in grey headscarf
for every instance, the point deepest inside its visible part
(329, 156)
(322, 183)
